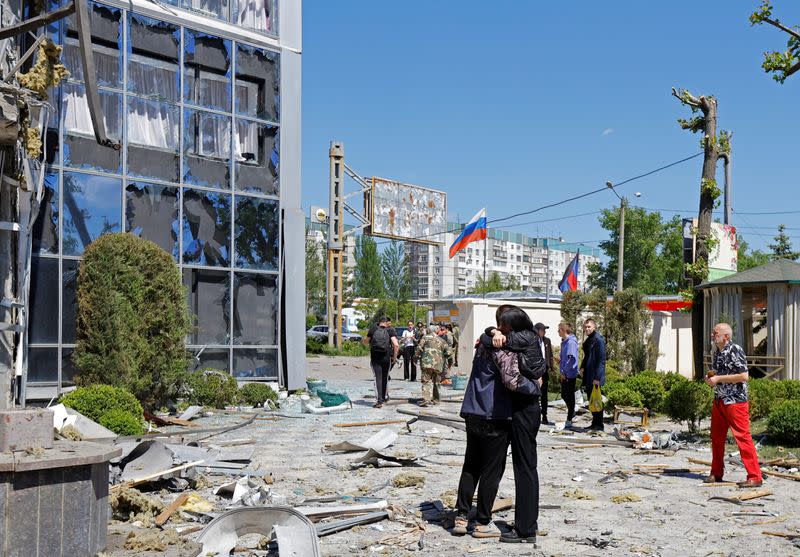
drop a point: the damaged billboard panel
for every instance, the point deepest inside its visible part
(406, 212)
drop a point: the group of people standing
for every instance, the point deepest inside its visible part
(433, 348)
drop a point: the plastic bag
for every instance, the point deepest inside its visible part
(596, 400)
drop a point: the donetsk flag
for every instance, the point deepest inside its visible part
(570, 279)
(473, 232)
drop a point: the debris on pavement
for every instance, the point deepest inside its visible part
(625, 498)
(408, 479)
(131, 504)
(378, 441)
(579, 494)
(152, 540)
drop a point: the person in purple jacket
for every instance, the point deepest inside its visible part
(568, 363)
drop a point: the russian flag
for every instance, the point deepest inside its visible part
(473, 232)
(570, 279)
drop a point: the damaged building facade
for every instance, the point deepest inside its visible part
(202, 98)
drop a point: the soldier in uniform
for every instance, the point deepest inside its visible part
(457, 336)
(432, 353)
(447, 337)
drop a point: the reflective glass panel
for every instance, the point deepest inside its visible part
(257, 158)
(45, 231)
(256, 14)
(206, 228)
(213, 8)
(255, 309)
(151, 212)
(43, 301)
(153, 55)
(209, 300)
(80, 147)
(255, 362)
(257, 82)
(207, 70)
(256, 238)
(68, 370)
(207, 144)
(69, 300)
(42, 365)
(153, 132)
(211, 358)
(92, 207)
(106, 45)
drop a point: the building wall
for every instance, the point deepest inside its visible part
(205, 102)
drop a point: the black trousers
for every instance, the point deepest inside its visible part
(380, 368)
(568, 395)
(597, 417)
(543, 400)
(524, 427)
(408, 360)
(484, 464)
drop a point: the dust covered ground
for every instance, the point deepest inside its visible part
(672, 516)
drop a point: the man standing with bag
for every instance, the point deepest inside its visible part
(731, 408)
(547, 353)
(593, 367)
(383, 351)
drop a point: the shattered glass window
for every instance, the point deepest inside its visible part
(69, 300)
(92, 207)
(257, 82)
(209, 301)
(207, 70)
(206, 228)
(207, 144)
(45, 231)
(212, 8)
(153, 57)
(255, 309)
(256, 238)
(106, 45)
(68, 371)
(43, 301)
(80, 147)
(211, 358)
(153, 135)
(255, 14)
(261, 363)
(42, 365)
(257, 158)
(151, 212)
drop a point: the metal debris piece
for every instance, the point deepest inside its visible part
(379, 441)
(147, 458)
(347, 523)
(380, 460)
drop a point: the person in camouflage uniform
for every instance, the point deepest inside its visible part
(432, 354)
(447, 336)
(456, 336)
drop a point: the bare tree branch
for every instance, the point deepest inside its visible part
(686, 97)
(792, 70)
(782, 27)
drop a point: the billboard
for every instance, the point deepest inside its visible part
(724, 258)
(406, 212)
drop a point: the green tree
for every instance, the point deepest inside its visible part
(782, 248)
(780, 64)
(396, 276)
(747, 258)
(492, 284)
(653, 252)
(315, 278)
(368, 279)
(512, 283)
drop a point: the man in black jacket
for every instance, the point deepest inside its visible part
(547, 353)
(593, 367)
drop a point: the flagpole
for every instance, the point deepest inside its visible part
(484, 262)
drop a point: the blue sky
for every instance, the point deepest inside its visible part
(515, 104)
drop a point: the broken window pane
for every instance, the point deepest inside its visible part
(211, 358)
(256, 235)
(255, 362)
(207, 144)
(153, 48)
(153, 131)
(257, 158)
(151, 212)
(209, 300)
(92, 207)
(256, 14)
(255, 309)
(45, 231)
(106, 45)
(207, 70)
(213, 8)
(43, 301)
(206, 228)
(68, 371)
(257, 82)
(43, 365)
(69, 300)
(80, 147)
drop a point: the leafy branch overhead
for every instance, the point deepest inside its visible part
(781, 64)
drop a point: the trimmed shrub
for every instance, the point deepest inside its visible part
(212, 387)
(690, 402)
(671, 379)
(765, 395)
(255, 394)
(614, 373)
(792, 388)
(649, 386)
(106, 404)
(121, 422)
(783, 424)
(132, 319)
(618, 394)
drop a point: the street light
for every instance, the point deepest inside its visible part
(621, 253)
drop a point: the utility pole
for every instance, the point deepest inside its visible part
(335, 244)
(621, 253)
(726, 158)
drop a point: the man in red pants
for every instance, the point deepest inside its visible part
(731, 408)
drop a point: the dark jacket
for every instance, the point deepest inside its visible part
(526, 344)
(494, 380)
(548, 350)
(594, 359)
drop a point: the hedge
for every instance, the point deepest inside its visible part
(783, 424)
(105, 404)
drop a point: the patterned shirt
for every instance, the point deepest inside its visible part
(730, 361)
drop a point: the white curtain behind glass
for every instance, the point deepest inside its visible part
(213, 7)
(106, 61)
(246, 143)
(152, 77)
(254, 14)
(246, 98)
(214, 134)
(152, 124)
(76, 112)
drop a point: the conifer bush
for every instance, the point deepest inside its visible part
(132, 319)
(690, 402)
(212, 387)
(783, 424)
